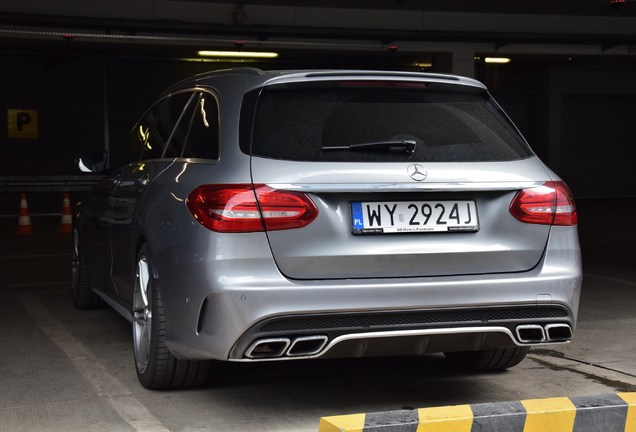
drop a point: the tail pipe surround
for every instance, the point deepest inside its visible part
(558, 332)
(304, 346)
(549, 333)
(286, 347)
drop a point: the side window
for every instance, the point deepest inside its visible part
(203, 137)
(167, 115)
(145, 141)
(153, 138)
(150, 137)
(182, 112)
(136, 141)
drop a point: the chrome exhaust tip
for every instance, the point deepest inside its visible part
(530, 333)
(268, 348)
(307, 346)
(558, 332)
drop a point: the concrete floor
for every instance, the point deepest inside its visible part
(64, 370)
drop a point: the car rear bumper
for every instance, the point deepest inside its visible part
(218, 308)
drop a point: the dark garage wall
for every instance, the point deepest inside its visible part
(69, 97)
(593, 118)
(599, 143)
(578, 118)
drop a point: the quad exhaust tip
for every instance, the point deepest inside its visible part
(535, 333)
(306, 346)
(286, 347)
(530, 333)
(558, 332)
(268, 348)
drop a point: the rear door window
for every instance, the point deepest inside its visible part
(150, 137)
(203, 136)
(298, 122)
(197, 133)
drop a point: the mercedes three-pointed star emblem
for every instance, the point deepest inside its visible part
(416, 172)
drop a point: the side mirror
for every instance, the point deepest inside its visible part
(93, 161)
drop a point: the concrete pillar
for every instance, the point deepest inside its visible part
(464, 62)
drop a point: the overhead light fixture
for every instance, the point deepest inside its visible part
(239, 54)
(424, 64)
(497, 60)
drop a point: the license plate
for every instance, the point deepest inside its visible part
(414, 217)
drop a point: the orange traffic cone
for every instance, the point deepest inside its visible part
(66, 224)
(24, 220)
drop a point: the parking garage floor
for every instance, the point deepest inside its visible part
(62, 369)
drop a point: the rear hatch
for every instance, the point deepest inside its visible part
(410, 177)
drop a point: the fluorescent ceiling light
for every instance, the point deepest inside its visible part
(238, 54)
(497, 60)
(424, 64)
(218, 60)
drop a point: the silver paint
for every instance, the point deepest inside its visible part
(321, 268)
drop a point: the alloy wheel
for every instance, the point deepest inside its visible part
(142, 314)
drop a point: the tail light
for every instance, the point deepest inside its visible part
(549, 204)
(247, 208)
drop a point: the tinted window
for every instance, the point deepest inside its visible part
(181, 108)
(168, 114)
(203, 139)
(295, 123)
(197, 134)
(154, 138)
(150, 136)
(138, 139)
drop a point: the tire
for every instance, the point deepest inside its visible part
(81, 292)
(487, 360)
(156, 367)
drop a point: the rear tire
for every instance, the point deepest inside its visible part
(83, 295)
(487, 360)
(156, 367)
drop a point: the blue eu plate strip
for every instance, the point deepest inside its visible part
(356, 213)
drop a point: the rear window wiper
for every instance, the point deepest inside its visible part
(406, 146)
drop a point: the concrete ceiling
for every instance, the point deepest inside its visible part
(572, 27)
(512, 7)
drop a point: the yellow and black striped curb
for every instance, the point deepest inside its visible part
(603, 413)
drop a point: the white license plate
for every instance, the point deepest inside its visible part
(414, 216)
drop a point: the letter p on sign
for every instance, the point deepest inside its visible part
(23, 123)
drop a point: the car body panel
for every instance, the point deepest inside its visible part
(94, 224)
(242, 292)
(134, 182)
(327, 249)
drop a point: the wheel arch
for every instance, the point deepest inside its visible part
(139, 242)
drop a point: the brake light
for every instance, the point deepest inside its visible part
(550, 204)
(246, 208)
(383, 83)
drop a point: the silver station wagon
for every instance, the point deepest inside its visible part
(262, 216)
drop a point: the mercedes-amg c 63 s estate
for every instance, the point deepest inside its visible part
(270, 216)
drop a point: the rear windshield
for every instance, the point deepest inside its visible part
(296, 123)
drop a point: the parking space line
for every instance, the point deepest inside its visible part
(614, 378)
(37, 284)
(127, 406)
(16, 257)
